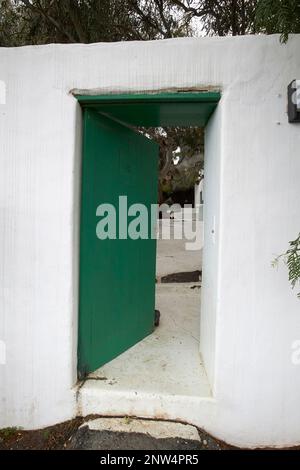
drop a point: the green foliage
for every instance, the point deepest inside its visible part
(181, 156)
(25, 22)
(8, 433)
(222, 17)
(278, 16)
(292, 259)
(46, 433)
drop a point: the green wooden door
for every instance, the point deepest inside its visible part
(117, 276)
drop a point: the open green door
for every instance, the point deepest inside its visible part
(117, 276)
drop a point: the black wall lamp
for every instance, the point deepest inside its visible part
(294, 101)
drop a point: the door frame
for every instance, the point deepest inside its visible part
(153, 110)
(156, 109)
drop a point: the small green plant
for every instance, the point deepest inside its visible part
(8, 433)
(292, 259)
(127, 419)
(46, 433)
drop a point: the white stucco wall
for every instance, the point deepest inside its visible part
(256, 316)
(210, 263)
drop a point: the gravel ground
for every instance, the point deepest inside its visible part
(68, 436)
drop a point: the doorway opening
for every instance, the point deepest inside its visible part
(122, 354)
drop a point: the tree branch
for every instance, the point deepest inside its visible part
(73, 11)
(160, 7)
(195, 11)
(146, 18)
(49, 18)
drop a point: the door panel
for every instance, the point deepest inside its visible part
(117, 276)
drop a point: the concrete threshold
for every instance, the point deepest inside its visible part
(162, 376)
(126, 433)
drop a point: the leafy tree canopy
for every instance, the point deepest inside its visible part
(278, 16)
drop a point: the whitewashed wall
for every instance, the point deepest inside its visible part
(256, 316)
(210, 263)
